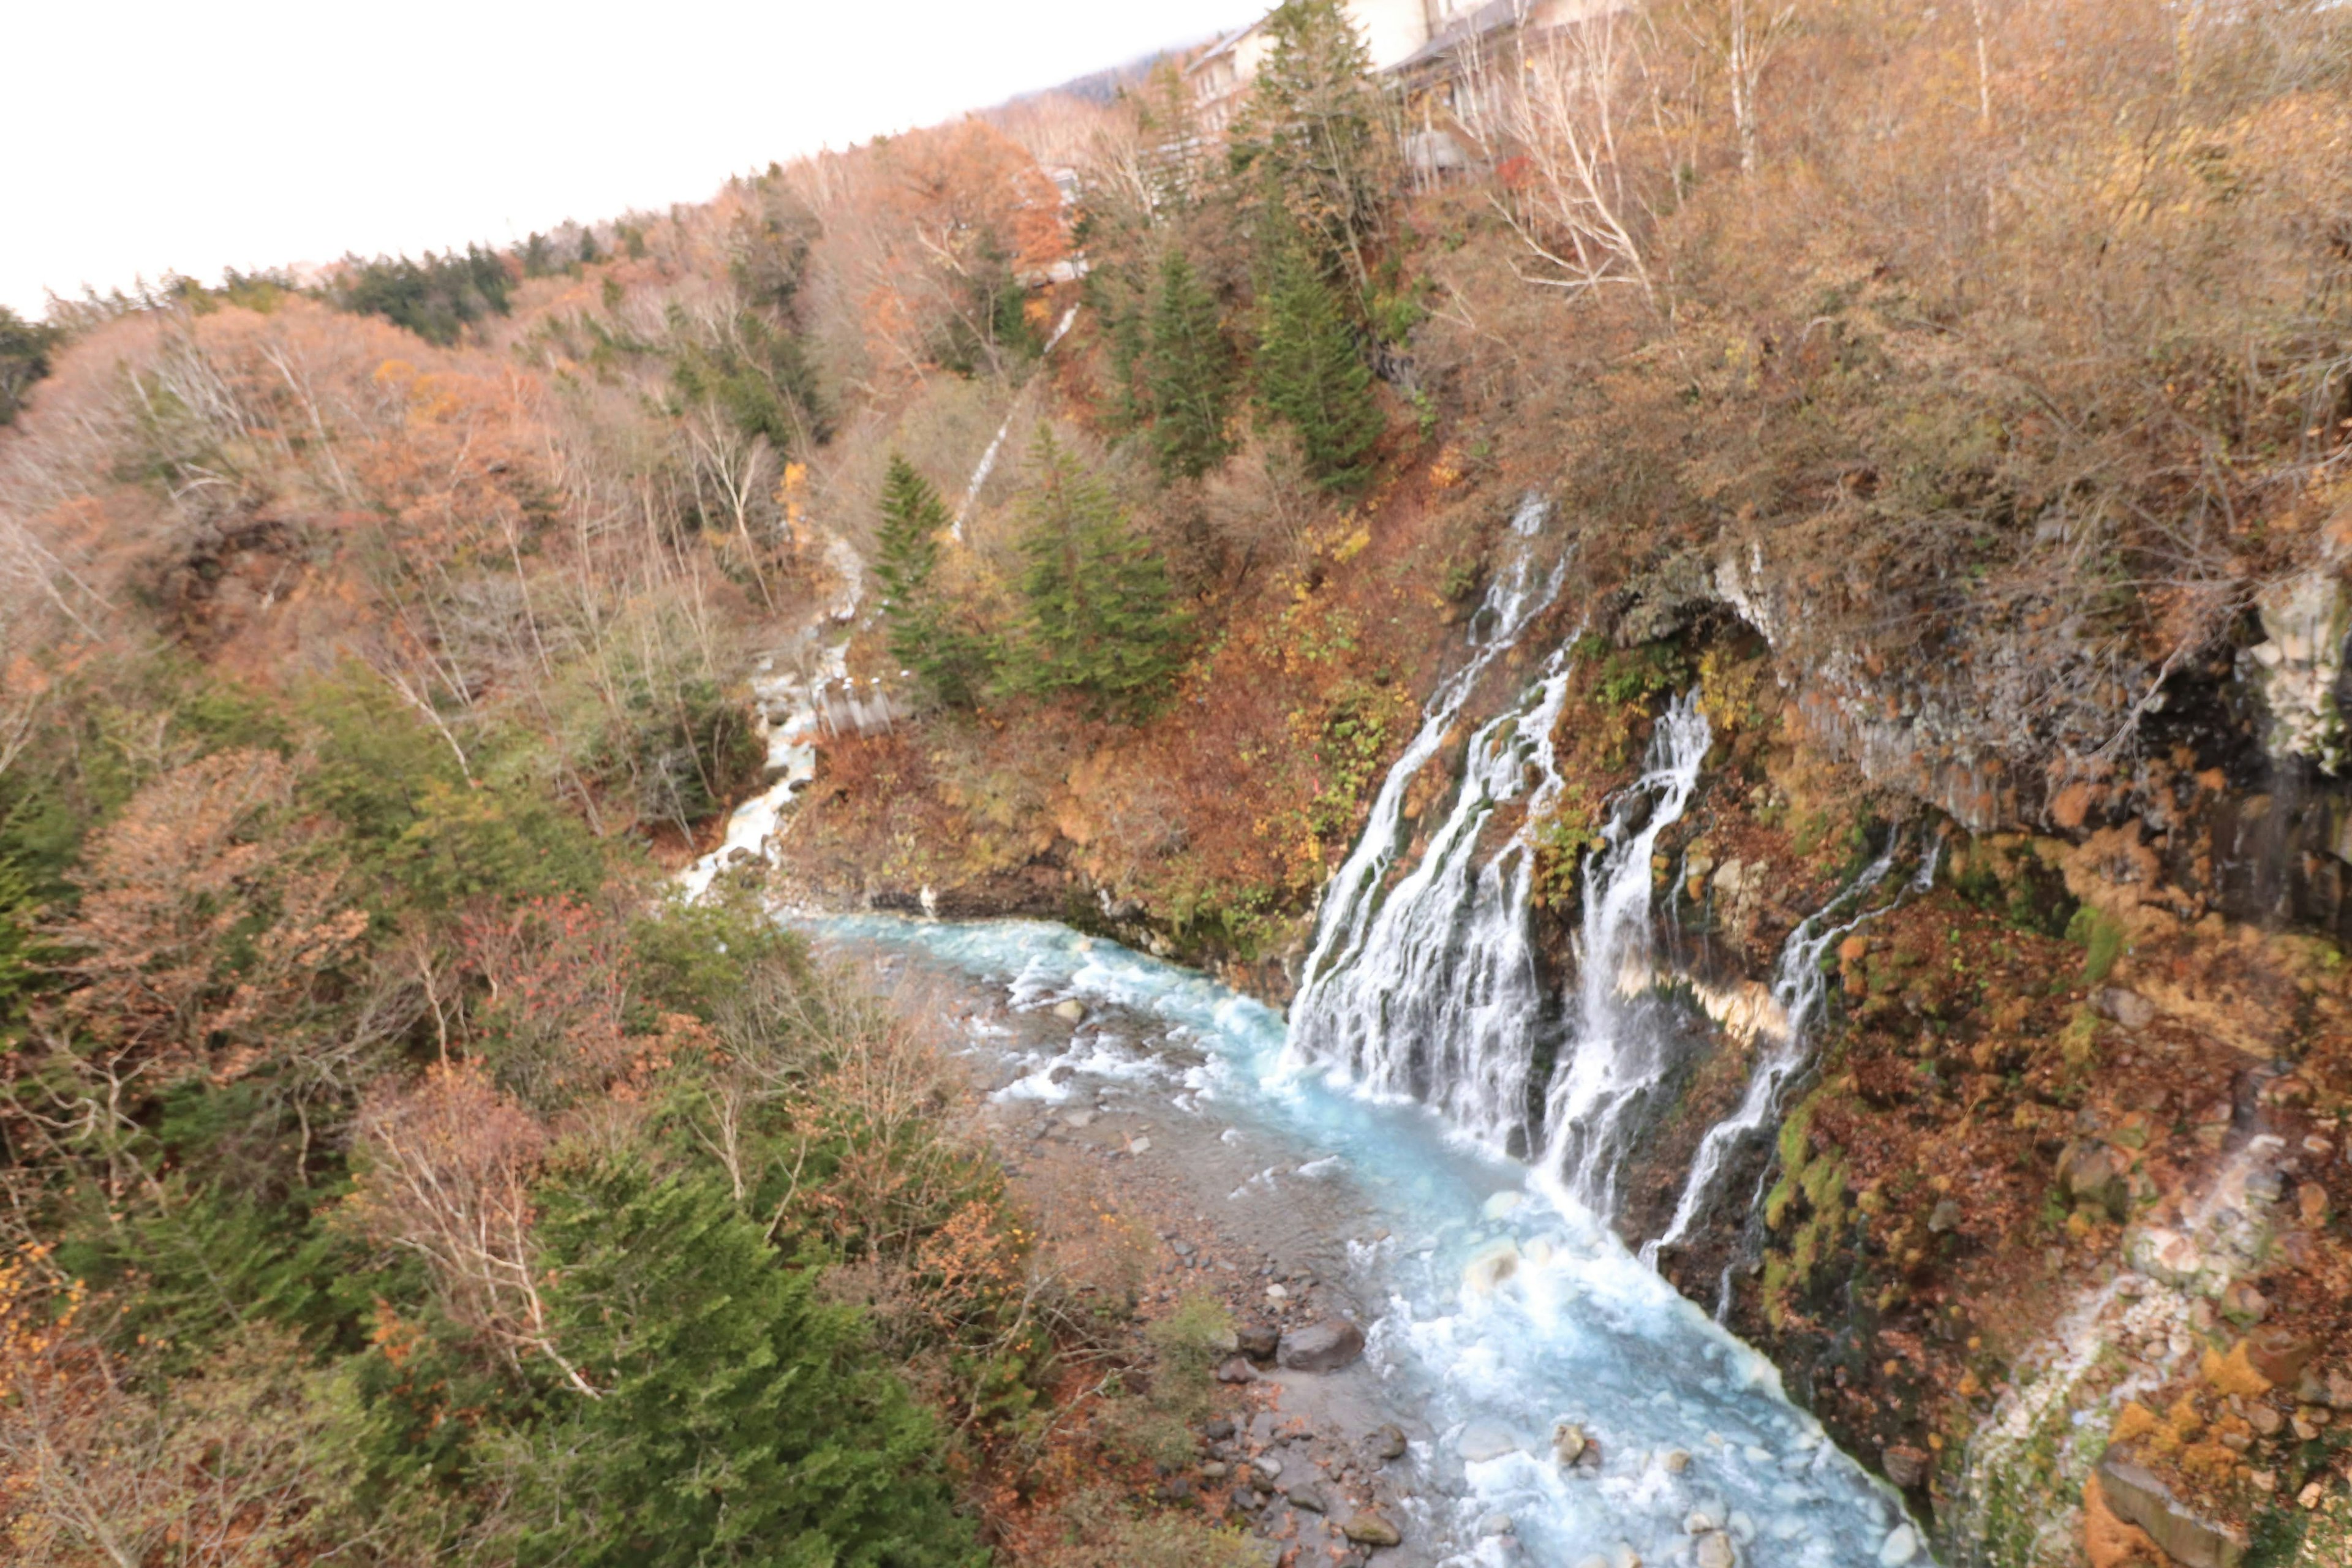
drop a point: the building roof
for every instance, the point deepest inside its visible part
(1224, 46)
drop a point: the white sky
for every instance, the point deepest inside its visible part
(151, 138)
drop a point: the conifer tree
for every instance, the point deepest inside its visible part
(1315, 140)
(740, 1418)
(1309, 373)
(1192, 373)
(1100, 616)
(928, 636)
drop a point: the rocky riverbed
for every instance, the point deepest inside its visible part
(1526, 1393)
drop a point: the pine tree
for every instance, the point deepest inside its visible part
(740, 1419)
(1190, 373)
(1309, 373)
(1314, 137)
(928, 636)
(907, 548)
(1100, 617)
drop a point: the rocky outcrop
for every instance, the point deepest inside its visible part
(2298, 668)
(2139, 1499)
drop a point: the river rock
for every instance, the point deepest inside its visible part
(1258, 1341)
(1677, 1460)
(1236, 1370)
(1714, 1549)
(1387, 1443)
(1368, 1528)
(1306, 1495)
(1078, 1120)
(1902, 1545)
(2136, 1497)
(1325, 1346)
(1070, 1011)
(1483, 1440)
(1218, 1431)
(1495, 1524)
(1568, 1442)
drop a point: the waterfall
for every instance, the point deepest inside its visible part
(1798, 988)
(1439, 995)
(987, 465)
(1519, 592)
(1616, 1054)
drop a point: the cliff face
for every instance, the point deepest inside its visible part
(2058, 1186)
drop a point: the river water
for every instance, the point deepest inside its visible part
(1497, 1305)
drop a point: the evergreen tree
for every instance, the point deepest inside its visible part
(740, 1420)
(23, 359)
(1192, 373)
(1314, 137)
(1100, 618)
(929, 637)
(906, 547)
(1309, 373)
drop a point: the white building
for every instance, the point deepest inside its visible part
(1414, 40)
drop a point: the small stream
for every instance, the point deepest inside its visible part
(1499, 1307)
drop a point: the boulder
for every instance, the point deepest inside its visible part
(1368, 1528)
(2138, 1498)
(2279, 1354)
(1905, 1467)
(1072, 1011)
(1306, 1495)
(1325, 1346)
(1387, 1443)
(1258, 1341)
(2130, 1008)
(2089, 1173)
(1714, 1549)
(1568, 1442)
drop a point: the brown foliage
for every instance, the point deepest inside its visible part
(446, 1172)
(93, 1472)
(169, 888)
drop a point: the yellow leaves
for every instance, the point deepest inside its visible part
(2233, 1374)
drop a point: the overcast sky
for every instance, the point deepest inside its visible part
(147, 138)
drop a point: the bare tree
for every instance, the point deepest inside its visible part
(449, 1174)
(1554, 103)
(1742, 35)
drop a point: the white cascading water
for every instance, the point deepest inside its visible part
(1522, 590)
(1439, 997)
(1615, 1054)
(1799, 985)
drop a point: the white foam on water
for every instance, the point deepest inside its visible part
(1577, 1329)
(1616, 1056)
